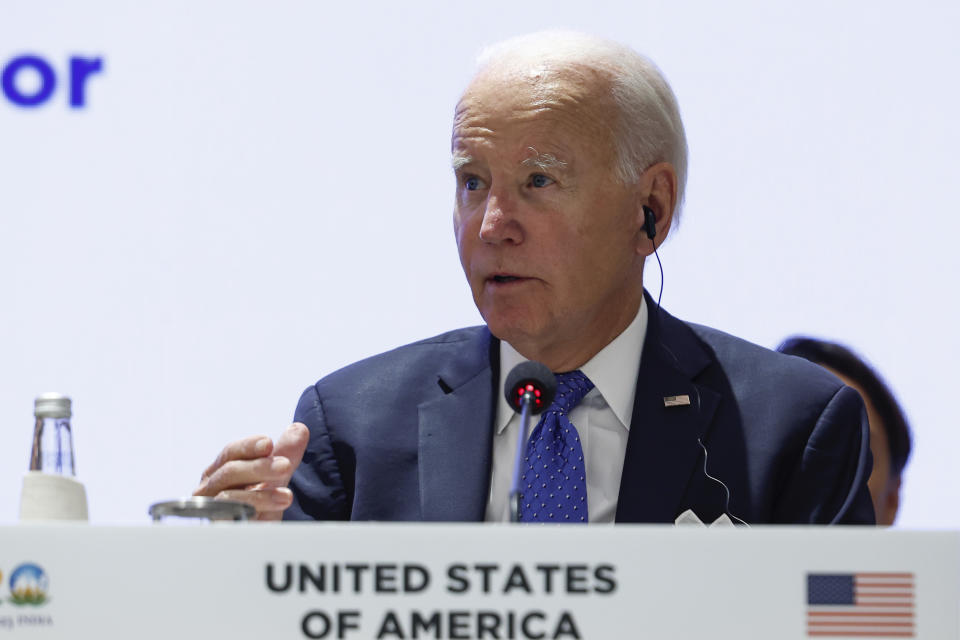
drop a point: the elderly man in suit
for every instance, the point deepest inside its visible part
(570, 164)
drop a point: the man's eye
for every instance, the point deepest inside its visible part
(539, 180)
(472, 183)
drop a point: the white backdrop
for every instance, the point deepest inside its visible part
(256, 194)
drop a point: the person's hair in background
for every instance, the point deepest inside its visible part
(889, 431)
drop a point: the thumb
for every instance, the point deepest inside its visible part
(292, 443)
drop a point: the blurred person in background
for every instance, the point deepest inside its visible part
(889, 430)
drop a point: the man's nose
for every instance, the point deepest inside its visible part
(500, 224)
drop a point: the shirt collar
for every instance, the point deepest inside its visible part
(613, 370)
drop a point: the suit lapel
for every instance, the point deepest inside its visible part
(456, 431)
(662, 448)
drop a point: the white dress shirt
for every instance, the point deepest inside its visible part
(602, 419)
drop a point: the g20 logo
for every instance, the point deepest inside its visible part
(30, 81)
(29, 585)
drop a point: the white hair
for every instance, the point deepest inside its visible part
(649, 129)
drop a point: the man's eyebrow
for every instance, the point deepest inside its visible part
(459, 161)
(543, 161)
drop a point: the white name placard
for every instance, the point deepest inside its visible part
(358, 581)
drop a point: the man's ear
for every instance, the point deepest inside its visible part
(658, 192)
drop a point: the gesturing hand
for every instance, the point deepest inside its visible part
(257, 471)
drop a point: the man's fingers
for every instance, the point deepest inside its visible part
(245, 449)
(269, 502)
(241, 474)
(255, 471)
(292, 443)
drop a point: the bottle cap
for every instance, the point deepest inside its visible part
(51, 405)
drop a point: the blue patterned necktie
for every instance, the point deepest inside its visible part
(554, 483)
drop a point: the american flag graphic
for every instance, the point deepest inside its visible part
(862, 605)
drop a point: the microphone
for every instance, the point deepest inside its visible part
(529, 390)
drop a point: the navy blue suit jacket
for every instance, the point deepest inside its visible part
(407, 435)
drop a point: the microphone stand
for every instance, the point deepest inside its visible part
(529, 389)
(525, 403)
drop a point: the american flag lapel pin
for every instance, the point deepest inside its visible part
(676, 401)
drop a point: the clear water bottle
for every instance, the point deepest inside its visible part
(50, 489)
(52, 450)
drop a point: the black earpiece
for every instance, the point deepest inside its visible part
(649, 222)
(650, 226)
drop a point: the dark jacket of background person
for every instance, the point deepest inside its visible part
(889, 431)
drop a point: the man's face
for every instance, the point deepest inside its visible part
(547, 236)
